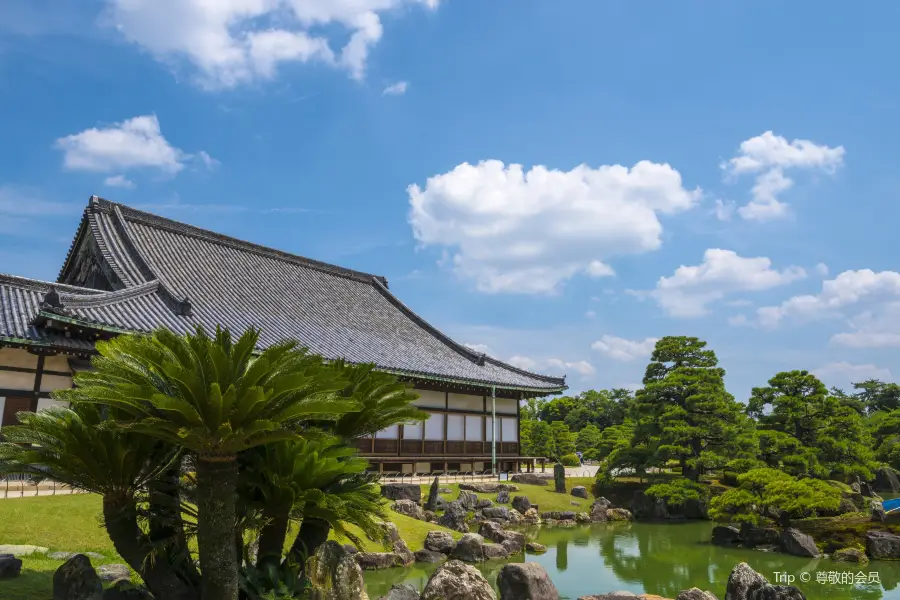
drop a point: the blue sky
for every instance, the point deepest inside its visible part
(725, 170)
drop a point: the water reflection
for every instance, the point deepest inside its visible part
(659, 559)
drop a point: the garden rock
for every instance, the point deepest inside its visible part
(532, 517)
(878, 514)
(525, 581)
(851, 555)
(402, 491)
(496, 512)
(113, 572)
(794, 541)
(408, 508)
(559, 478)
(726, 535)
(455, 580)
(866, 490)
(18, 550)
(575, 503)
(552, 515)
(374, 561)
(123, 589)
(618, 514)
(445, 491)
(598, 512)
(439, 541)
(10, 566)
(491, 530)
(335, 570)
(579, 491)
(429, 556)
(488, 488)
(882, 545)
(531, 478)
(470, 548)
(467, 500)
(695, 594)
(401, 591)
(350, 548)
(742, 581)
(759, 536)
(502, 497)
(454, 517)
(695, 509)
(521, 503)
(432, 502)
(886, 480)
(567, 516)
(76, 579)
(495, 552)
(582, 517)
(483, 503)
(535, 548)
(513, 541)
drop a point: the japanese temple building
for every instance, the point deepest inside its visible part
(130, 271)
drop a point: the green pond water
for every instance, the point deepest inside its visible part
(661, 559)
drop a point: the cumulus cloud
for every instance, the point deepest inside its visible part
(689, 291)
(119, 181)
(552, 365)
(235, 42)
(724, 210)
(768, 156)
(842, 374)
(822, 269)
(511, 230)
(625, 350)
(395, 89)
(136, 143)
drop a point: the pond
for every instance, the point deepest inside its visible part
(661, 559)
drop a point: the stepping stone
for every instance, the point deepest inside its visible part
(21, 549)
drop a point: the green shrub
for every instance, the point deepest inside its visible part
(570, 460)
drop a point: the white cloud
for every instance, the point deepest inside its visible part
(590, 314)
(724, 210)
(842, 374)
(848, 288)
(395, 89)
(119, 181)
(552, 365)
(878, 327)
(235, 42)
(511, 230)
(136, 143)
(691, 289)
(822, 269)
(523, 362)
(769, 156)
(483, 348)
(625, 350)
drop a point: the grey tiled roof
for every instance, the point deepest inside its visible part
(165, 266)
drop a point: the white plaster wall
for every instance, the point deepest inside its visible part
(50, 383)
(466, 402)
(13, 357)
(504, 405)
(429, 398)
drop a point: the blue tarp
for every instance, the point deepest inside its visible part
(892, 505)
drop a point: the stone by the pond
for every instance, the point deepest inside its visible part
(488, 488)
(470, 548)
(794, 541)
(502, 497)
(401, 591)
(882, 545)
(432, 502)
(408, 508)
(598, 512)
(113, 572)
(454, 517)
(886, 480)
(515, 517)
(531, 478)
(579, 491)
(374, 561)
(582, 517)
(726, 535)
(398, 545)
(532, 517)
(525, 581)
(10, 566)
(439, 541)
(695, 594)
(746, 584)
(851, 555)
(18, 550)
(623, 595)
(754, 536)
(483, 503)
(455, 580)
(618, 514)
(429, 556)
(124, 589)
(521, 503)
(496, 512)
(491, 530)
(350, 548)
(445, 491)
(337, 572)
(76, 579)
(495, 551)
(535, 548)
(402, 491)
(878, 514)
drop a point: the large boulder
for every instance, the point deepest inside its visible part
(695, 509)
(408, 508)
(495, 552)
(535, 548)
(726, 535)
(746, 584)
(850, 555)
(77, 580)
(470, 548)
(886, 480)
(513, 541)
(753, 536)
(454, 517)
(455, 580)
(695, 594)
(375, 561)
(794, 541)
(531, 517)
(401, 591)
(123, 589)
(429, 556)
(439, 541)
(618, 514)
(397, 544)
(882, 545)
(598, 511)
(579, 491)
(559, 478)
(483, 503)
(432, 502)
(491, 530)
(488, 488)
(525, 581)
(337, 571)
(878, 514)
(467, 499)
(496, 512)
(521, 503)
(502, 497)
(402, 491)
(532, 478)
(10, 566)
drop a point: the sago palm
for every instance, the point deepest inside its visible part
(214, 397)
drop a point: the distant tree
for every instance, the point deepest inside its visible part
(877, 395)
(541, 440)
(531, 409)
(684, 411)
(557, 409)
(884, 427)
(563, 439)
(588, 438)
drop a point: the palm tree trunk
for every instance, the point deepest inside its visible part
(272, 537)
(313, 533)
(216, 522)
(166, 527)
(120, 519)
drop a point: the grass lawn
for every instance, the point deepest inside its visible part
(72, 524)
